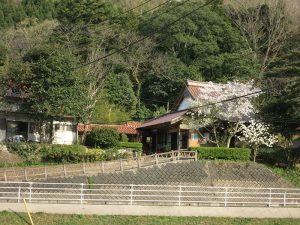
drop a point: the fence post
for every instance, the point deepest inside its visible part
(270, 197)
(173, 156)
(102, 166)
(121, 165)
(65, 170)
(5, 175)
(225, 199)
(196, 155)
(131, 194)
(83, 167)
(139, 162)
(45, 171)
(25, 173)
(30, 191)
(156, 159)
(19, 194)
(179, 196)
(81, 194)
(284, 199)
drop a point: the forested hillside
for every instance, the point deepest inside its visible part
(116, 60)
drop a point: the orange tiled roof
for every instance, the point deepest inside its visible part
(129, 128)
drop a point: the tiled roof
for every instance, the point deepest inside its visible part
(197, 89)
(167, 118)
(129, 128)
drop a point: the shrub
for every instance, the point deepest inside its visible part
(94, 155)
(103, 138)
(222, 153)
(271, 155)
(28, 151)
(123, 138)
(134, 145)
(64, 154)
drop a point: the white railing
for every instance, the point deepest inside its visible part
(69, 170)
(181, 195)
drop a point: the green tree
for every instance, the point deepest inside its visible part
(280, 107)
(49, 83)
(119, 90)
(205, 40)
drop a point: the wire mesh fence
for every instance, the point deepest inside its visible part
(173, 195)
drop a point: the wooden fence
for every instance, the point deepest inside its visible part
(69, 170)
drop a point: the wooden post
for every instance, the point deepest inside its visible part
(178, 138)
(139, 162)
(25, 173)
(5, 175)
(65, 170)
(102, 166)
(121, 165)
(45, 171)
(83, 167)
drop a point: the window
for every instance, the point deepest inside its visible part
(195, 136)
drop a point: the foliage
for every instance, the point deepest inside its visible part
(47, 78)
(28, 151)
(103, 138)
(12, 12)
(291, 175)
(257, 134)
(135, 145)
(205, 41)
(64, 154)
(271, 156)
(222, 153)
(119, 90)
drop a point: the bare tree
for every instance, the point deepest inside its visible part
(96, 74)
(265, 26)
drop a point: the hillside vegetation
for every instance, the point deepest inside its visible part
(104, 81)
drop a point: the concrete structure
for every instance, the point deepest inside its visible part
(245, 212)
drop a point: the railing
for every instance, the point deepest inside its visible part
(67, 170)
(100, 194)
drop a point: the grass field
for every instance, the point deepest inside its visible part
(10, 218)
(291, 175)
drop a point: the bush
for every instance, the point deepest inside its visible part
(28, 151)
(222, 153)
(271, 155)
(123, 138)
(103, 138)
(134, 145)
(94, 155)
(64, 154)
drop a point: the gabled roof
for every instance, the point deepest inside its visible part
(129, 128)
(164, 119)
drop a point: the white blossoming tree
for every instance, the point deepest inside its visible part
(257, 134)
(228, 114)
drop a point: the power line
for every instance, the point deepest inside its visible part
(123, 13)
(147, 36)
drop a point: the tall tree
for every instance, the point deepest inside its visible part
(205, 41)
(49, 83)
(265, 26)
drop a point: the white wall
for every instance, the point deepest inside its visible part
(185, 103)
(64, 133)
(2, 129)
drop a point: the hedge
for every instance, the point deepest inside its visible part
(134, 145)
(222, 153)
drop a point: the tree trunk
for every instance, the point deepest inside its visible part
(229, 141)
(254, 154)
